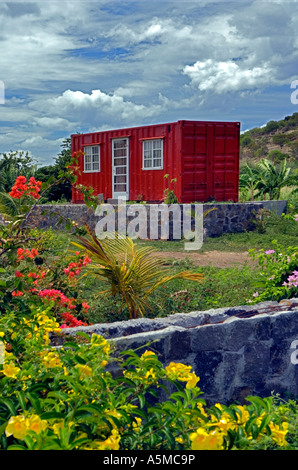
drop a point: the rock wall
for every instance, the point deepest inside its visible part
(236, 352)
(219, 219)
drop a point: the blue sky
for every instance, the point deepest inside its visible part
(73, 66)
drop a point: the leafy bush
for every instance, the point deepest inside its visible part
(279, 276)
(66, 399)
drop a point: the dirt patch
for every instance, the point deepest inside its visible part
(219, 259)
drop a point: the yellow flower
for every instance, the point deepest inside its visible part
(201, 409)
(17, 426)
(279, 434)
(2, 334)
(243, 416)
(61, 425)
(147, 354)
(150, 374)
(36, 424)
(201, 440)
(224, 424)
(177, 371)
(51, 359)
(136, 425)
(84, 370)
(20, 426)
(192, 380)
(10, 370)
(97, 340)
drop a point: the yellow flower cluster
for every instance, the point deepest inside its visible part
(202, 440)
(43, 326)
(9, 368)
(84, 370)
(211, 435)
(183, 373)
(20, 426)
(279, 434)
(50, 359)
(97, 340)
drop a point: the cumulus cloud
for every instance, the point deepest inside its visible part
(97, 105)
(222, 77)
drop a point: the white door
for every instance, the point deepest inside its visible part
(120, 168)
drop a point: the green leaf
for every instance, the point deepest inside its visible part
(16, 447)
(21, 397)
(58, 394)
(52, 415)
(10, 405)
(84, 335)
(70, 344)
(170, 437)
(80, 360)
(142, 400)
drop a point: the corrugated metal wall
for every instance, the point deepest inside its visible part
(210, 161)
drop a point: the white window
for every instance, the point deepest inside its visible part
(153, 154)
(91, 158)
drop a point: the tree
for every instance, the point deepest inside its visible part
(13, 164)
(51, 172)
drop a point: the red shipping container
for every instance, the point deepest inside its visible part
(202, 156)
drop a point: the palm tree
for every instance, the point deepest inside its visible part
(130, 270)
(272, 178)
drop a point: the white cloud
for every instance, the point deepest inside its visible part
(54, 123)
(96, 105)
(222, 77)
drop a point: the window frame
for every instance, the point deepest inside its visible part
(92, 161)
(151, 150)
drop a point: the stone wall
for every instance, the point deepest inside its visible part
(219, 219)
(236, 352)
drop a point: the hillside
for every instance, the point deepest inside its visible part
(275, 141)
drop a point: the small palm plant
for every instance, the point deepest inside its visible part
(130, 270)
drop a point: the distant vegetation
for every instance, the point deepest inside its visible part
(269, 161)
(276, 141)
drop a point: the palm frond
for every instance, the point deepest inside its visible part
(131, 271)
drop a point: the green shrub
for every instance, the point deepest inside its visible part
(66, 399)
